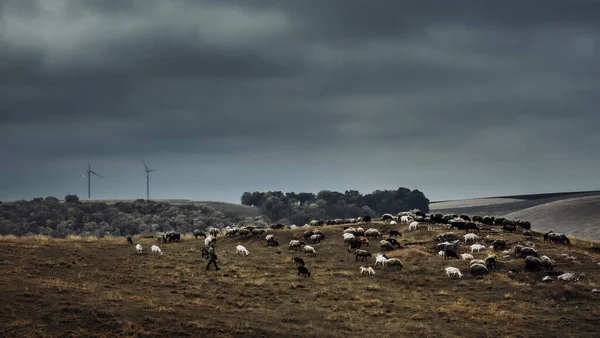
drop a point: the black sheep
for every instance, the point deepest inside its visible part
(393, 242)
(394, 233)
(450, 254)
(198, 233)
(298, 261)
(302, 270)
(129, 240)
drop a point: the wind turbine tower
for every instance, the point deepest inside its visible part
(89, 171)
(148, 171)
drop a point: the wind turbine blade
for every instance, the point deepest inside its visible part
(151, 170)
(144, 164)
(96, 174)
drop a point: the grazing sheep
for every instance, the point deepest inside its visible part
(272, 242)
(258, 231)
(354, 245)
(450, 254)
(316, 238)
(364, 254)
(491, 261)
(394, 262)
(244, 232)
(214, 232)
(394, 233)
(387, 217)
(448, 236)
(363, 240)
(441, 252)
(138, 248)
(477, 261)
(360, 231)
(448, 245)
(478, 269)
(413, 226)
(302, 270)
(477, 247)
(547, 279)
(547, 263)
(209, 240)
(381, 259)
(296, 244)
(298, 261)
(466, 256)
(499, 244)
(393, 242)
(393, 223)
(470, 238)
(309, 250)
(347, 237)
(269, 238)
(453, 272)
(241, 250)
(368, 270)
(156, 250)
(527, 251)
(532, 263)
(386, 246)
(197, 233)
(129, 240)
(405, 219)
(373, 233)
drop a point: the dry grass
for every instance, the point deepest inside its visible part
(83, 286)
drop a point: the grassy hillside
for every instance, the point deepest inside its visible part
(101, 287)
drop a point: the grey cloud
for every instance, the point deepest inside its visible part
(268, 94)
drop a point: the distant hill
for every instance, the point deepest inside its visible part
(575, 213)
(577, 216)
(502, 205)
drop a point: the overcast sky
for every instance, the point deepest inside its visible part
(458, 99)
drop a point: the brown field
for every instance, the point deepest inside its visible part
(101, 287)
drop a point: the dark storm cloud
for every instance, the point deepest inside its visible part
(300, 85)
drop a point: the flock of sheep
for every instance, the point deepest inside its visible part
(357, 240)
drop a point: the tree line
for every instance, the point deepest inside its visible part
(301, 208)
(49, 216)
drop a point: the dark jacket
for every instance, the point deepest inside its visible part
(211, 253)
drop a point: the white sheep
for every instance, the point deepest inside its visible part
(405, 219)
(453, 272)
(380, 259)
(466, 256)
(477, 247)
(394, 262)
(241, 250)
(471, 238)
(348, 237)
(138, 248)
(208, 240)
(368, 270)
(309, 250)
(441, 253)
(393, 223)
(156, 250)
(413, 226)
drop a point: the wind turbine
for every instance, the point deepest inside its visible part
(148, 171)
(89, 171)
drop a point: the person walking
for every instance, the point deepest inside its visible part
(212, 257)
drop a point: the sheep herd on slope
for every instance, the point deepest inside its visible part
(357, 240)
